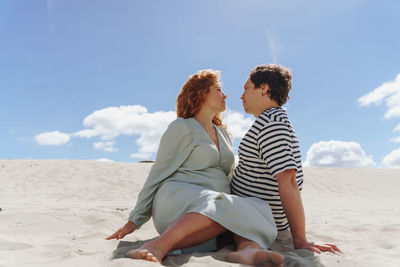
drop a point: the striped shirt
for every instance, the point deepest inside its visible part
(269, 147)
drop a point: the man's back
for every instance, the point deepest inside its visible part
(268, 148)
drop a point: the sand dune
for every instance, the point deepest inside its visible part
(58, 212)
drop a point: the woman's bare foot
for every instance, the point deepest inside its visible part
(146, 252)
(256, 257)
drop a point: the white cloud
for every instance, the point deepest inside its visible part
(50, 5)
(106, 145)
(274, 47)
(236, 160)
(55, 138)
(141, 155)
(104, 160)
(88, 133)
(380, 93)
(392, 160)
(395, 139)
(237, 123)
(111, 122)
(50, 17)
(393, 112)
(389, 93)
(337, 154)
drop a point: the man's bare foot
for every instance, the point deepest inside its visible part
(147, 253)
(256, 257)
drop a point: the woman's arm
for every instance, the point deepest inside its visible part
(175, 145)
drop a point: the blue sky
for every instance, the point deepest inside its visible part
(99, 79)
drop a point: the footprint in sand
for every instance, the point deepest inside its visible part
(88, 237)
(93, 220)
(7, 245)
(361, 228)
(391, 228)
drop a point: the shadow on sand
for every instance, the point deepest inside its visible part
(170, 260)
(293, 258)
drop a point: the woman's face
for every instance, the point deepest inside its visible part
(215, 99)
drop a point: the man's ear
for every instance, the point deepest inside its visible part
(265, 89)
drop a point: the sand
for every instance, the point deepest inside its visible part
(58, 212)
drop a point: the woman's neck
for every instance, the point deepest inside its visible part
(205, 118)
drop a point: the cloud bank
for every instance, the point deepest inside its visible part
(106, 146)
(392, 160)
(337, 154)
(108, 124)
(237, 123)
(389, 94)
(111, 122)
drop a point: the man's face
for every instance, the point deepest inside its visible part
(251, 97)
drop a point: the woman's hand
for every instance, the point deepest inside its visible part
(318, 248)
(128, 228)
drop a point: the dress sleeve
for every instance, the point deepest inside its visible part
(175, 146)
(275, 142)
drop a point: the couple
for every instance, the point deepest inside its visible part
(188, 193)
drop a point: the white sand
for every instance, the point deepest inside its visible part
(58, 212)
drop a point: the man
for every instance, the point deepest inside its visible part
(269, 155)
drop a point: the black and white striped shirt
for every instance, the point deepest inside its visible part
(268, 148)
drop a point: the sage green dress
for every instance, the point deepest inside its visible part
(190, 174)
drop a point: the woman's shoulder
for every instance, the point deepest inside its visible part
(180, 125)
(179, 122)
(177, 131)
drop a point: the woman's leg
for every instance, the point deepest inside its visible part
(249, 252)
(189, 230)
(194, 228)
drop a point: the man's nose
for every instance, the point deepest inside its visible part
(242, 97)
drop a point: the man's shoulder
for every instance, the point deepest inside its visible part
(273, 116)
(272, 122)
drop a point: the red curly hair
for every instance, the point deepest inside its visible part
(193, 94)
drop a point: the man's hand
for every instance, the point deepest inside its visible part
(318, 248)
(128, 228)
(293, 206)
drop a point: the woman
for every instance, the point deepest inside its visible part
(187, 191)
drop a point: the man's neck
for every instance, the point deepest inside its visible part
(269, 105)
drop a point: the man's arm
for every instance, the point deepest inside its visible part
(293, 206)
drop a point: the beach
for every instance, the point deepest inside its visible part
(59, 212)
